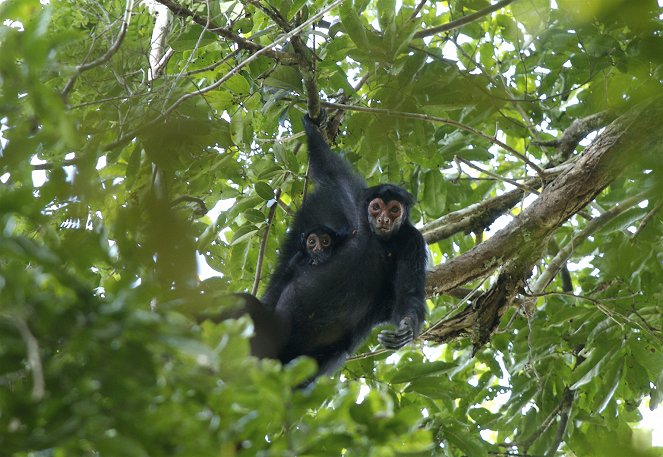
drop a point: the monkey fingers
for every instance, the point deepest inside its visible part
(396, 339)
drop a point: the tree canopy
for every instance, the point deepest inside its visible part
(141, 140)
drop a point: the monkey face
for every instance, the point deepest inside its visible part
(385, 218)
(319, 246)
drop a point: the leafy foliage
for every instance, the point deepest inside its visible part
(107, 173)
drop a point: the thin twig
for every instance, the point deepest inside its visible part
(335, 120)
(500, 178)
(263, 242)
(592, 226)
(201, 207)
(228, 34)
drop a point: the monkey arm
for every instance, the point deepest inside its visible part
(327, 168)
(409, 308)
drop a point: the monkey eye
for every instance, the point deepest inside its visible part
(326, 241)
(395, 209)
(376, 206)
(311, 241)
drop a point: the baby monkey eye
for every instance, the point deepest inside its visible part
(395, 209)
(376, 206)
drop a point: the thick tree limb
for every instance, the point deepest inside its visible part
(520, 244)
(480, 215)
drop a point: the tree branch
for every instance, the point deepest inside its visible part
(32, 352)
(523, 187)
(556, 264)
(480, 215)
(158, 40)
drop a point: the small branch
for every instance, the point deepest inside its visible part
(523, 187)
(517, 106)
(481, 215)
(562, 407)
(416, 11)
(463, 20)
(263, 242)
(645, 220)
(609, 313)
(334, 123)
(202, 208)
(104, 58)
(286, 208)
(158, 40)
(50, 166)
(567, 403)
(271, 13)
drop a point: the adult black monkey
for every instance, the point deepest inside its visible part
(369, 279)
(388, 210)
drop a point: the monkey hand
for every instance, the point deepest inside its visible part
(396, 339)
(320, 121)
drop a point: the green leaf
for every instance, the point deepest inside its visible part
(264, 190)
(434, 192)
(413, 371)
(353, 24)
(283, 77)
(195, 36)
(255, 216)
(592, 367)
(243, 233)
(237, 85)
